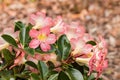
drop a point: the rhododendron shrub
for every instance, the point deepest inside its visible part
(50, 49)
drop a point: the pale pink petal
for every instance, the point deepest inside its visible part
(19, 59)
(45, 30)
(87, 48)
(45, 47)
(102, 43)
(34, 43)
(33, 59)
(51, 39)
(33, 33)
(46, 57)
(38, 56)
(48, 22)
(32, 19)
(105, 64)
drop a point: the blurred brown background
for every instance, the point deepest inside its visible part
(98, 17)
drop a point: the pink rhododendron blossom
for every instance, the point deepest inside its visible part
(81, 51)
(42, 38)
(74, 30)
(93, 56)
(79, 46)
(98, 61)
(39, 20)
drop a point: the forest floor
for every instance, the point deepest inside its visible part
(98, 17)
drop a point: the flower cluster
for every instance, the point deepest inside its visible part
(47, 41)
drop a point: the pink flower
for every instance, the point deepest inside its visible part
(98, 62)
(93, 56)
(42, 38)
(19, 59)
(79, 46)
(74, 30)
(60, 26)
(81, 51)
(39, 20)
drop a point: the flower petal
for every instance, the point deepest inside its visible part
(45, 30)
(45, 47)
(51, 39)
(33, 33)
(34, 43)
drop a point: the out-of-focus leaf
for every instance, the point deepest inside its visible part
(30, 51)
(35, 76)
(63, 76)
(53, 77)
(7, 55)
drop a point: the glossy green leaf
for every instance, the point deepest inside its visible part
(91, 42)
(64, 47)
(53, 77)
(24, 35)
(9, 39)
(43, 68)
(32, 64)
(63, 76)
(74, 74)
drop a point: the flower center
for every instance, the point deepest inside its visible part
(42, 37)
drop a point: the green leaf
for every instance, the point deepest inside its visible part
(24, 75)
(64, 47)
(43, 68)
(7, 55)
(24, 35)
(6, 75)
(91, 77)
(18, 26)
(35, 76)
(32, 64)
(53, 77)
(74, 74)
(9, 39)
(63, 76)
(91, 42)
(51, 65)
(29, 51)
